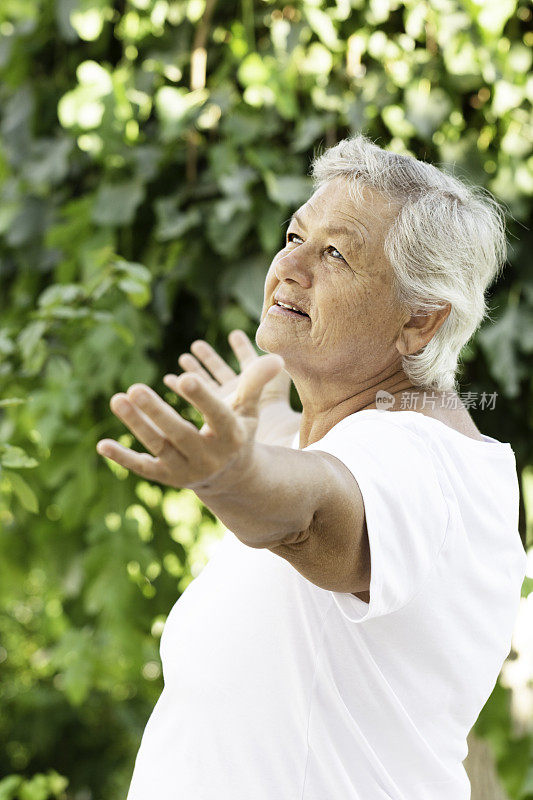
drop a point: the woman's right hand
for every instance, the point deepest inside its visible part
(278, 423)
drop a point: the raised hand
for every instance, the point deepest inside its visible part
(206, 363)
(277, 421)
(179, 454)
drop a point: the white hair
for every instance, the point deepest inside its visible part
(447, 244)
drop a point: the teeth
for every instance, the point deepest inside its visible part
(284, 305)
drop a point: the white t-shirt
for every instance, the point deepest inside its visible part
(276, 689)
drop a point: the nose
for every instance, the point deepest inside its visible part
(292, 267)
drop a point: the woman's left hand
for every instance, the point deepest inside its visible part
(181, 455)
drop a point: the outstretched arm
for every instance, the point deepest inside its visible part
(303, 505)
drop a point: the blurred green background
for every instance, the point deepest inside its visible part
(151, 152)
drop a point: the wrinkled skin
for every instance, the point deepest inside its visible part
(353, 325)
(352, 343)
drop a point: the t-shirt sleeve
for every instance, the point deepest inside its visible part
(405, 509)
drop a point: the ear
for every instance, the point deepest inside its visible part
(419, 329)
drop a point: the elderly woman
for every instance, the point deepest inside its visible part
(352, 623)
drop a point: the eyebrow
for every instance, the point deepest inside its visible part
(332, 230)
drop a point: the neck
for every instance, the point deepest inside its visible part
(325, 406)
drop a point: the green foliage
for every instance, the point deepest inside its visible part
(40, 787)
(140, 206)
(513, 753)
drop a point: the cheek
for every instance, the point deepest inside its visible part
(270, 281)
(347, 304)
(359, 313)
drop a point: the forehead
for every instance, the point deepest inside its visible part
(333, 210)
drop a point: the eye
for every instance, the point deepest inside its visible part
(335, 249)
(331, 247)
(292, 234)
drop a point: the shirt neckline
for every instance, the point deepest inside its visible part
(489, 444)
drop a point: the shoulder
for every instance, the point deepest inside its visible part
(457, 419)
(375, 425)
(386, 455)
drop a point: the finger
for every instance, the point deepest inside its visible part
(214, 363)
(181, 434)
(218, 415)
(143, 464)
(242, 347)
(190, 364)
(139, 424)
(278, 389)
(252, 381)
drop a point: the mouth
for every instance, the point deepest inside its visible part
(287, 310)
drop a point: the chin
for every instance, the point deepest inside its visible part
(263, 340)
(268, 339)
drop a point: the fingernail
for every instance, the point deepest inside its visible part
(119, 403)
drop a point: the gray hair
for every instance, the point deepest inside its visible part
(447, 244)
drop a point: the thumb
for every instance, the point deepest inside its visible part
(252, 380)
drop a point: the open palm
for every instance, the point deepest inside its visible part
(277, 421)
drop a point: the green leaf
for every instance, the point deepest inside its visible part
(136, 284)
(72, 657)
(125, 334)
(244, 126)
(253, 70)
(57, 783)
(464, 152)
(309, 129)
(322, 24)
(426, 110)
(30, 223)
(225, 235)
(35, 789)
(116, 203)
(246, 282)
(32, 346)
(64, 312)
(176, 107)
(88, 18)
(173, 224)
(7, 346)
(492, 15)
(25, 494)
(137, 272)
(502, 341)
(63, 10)
(8, 212)
(48, 162)
(507, 96)
(9, 786)
(59, 294)
(16, 457)
(288, 190)
(271, 225)
(138, 293)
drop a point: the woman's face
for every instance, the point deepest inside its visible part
(333, 267)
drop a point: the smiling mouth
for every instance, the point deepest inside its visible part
(284, 307)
